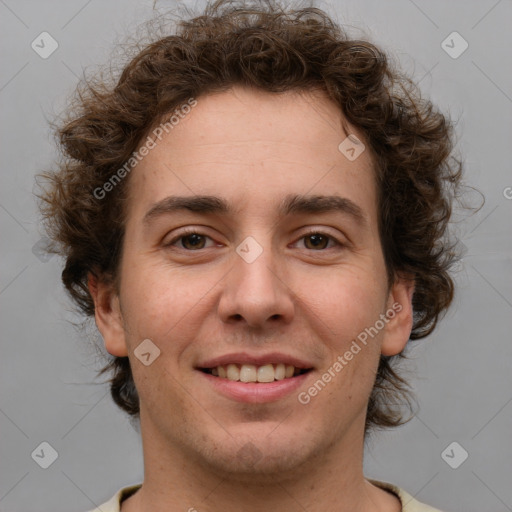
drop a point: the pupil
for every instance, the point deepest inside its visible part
(317, 240)
(193, 239)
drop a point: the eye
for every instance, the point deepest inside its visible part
(190, 240)
(317, 240)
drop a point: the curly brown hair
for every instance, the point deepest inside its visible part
(275, 49)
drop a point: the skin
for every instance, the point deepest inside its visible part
(252, 149)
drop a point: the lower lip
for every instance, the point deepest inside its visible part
(255, 392)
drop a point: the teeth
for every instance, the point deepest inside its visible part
(252, 373)
(280, 371)
(248, 373)
(266, 373)
(233, 372)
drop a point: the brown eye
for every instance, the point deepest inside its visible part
(192, 241)
(318, 241)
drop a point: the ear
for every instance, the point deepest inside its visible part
(400, 315)
(108, 315)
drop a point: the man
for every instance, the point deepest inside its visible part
(253, 215)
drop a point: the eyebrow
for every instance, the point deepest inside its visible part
(291, 204)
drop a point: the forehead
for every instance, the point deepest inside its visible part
(254, 148)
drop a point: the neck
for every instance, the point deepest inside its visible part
(331, 481)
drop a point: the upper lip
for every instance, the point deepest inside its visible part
(257, 360)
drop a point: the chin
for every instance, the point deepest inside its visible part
(262, 459)
(251, 465)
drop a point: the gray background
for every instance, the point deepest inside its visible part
(461, 374)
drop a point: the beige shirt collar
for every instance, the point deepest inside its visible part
(409, 504)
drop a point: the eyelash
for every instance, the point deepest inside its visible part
(192, 231)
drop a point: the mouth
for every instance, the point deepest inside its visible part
(250, 373)
(255, 384)
(255, 378)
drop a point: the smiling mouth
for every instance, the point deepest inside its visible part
(252, 373)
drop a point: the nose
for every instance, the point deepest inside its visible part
(257, 293)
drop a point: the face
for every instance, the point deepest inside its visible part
(284, 268)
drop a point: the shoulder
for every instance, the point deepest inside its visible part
(409, 504)
(114, 503)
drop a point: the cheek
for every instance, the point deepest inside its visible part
(351, 305)
(167, 305)
(347, 300)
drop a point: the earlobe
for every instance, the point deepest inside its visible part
(108, 316)
(400, 315)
